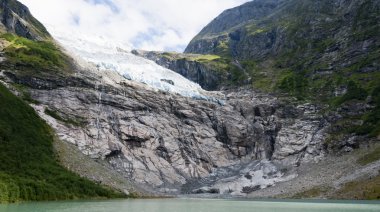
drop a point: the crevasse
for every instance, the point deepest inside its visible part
(108, 55)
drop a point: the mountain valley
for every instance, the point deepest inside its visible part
(272, 99)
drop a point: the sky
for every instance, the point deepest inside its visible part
(160, 25)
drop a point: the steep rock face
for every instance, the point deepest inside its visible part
(166, 141)
(173, 144)
(16, 18)
(210, 36)
(262, 28)
(311, 50)
(298, 46)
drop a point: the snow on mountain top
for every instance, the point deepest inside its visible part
(107, 55)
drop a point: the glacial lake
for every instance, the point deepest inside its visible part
(193, 205)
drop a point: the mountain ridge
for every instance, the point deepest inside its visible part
(251, 142)
(16, 18)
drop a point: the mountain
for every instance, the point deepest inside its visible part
(326, 52)
(298, 47)
(209, 71)
(322, 52)
(16, 18)
(108, 55)
(30, 169)
(295, 47)
(127, 123)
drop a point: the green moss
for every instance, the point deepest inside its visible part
(340, 129)
(311, 62)
(311, 193)
(371, 125)
(294, 83)
(361, 190)
(34, 54)
(24, 93)
(77, 122)
(368, 158)
(204, 57)
(237, 75)
(354, 92)
(28, 166)
(253, 29)
(170, 55)
(365, 22)
(223, 49)
(322, 45)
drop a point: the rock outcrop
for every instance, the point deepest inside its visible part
(166, 141)
(204, 72)
(212, 35)
(16, 18)
(296, 47)
(262, 28)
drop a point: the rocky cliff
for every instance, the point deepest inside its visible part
(209, 71)
(16, 18)
(317, 51)
(165, 143)
(298, 46)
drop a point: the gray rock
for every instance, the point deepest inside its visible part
(16, 18)
(165, 141)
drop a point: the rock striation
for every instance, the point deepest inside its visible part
(234, 143)
(166, 141)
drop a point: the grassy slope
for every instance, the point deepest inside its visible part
(34, 58)
(310, 46)
(364, 183)
(219, 64)
(366, 189)
(29, 169)
(319, 55)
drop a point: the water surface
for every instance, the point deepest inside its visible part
(193, 205)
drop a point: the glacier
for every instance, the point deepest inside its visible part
(112, 56)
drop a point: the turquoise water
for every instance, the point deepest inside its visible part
(192, 205)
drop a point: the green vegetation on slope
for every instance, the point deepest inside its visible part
(370, 157)
(191, 57)
(314, 192)
(29, 169)
(316, 51)
(78, 122)
(306, 49)
(366, 189)
(36, 55)
(361, 190)
(371, 120)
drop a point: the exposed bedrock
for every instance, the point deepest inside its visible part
(166, 141)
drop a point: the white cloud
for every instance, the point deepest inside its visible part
(144, 24)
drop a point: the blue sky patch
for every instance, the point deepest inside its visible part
(108, 3)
